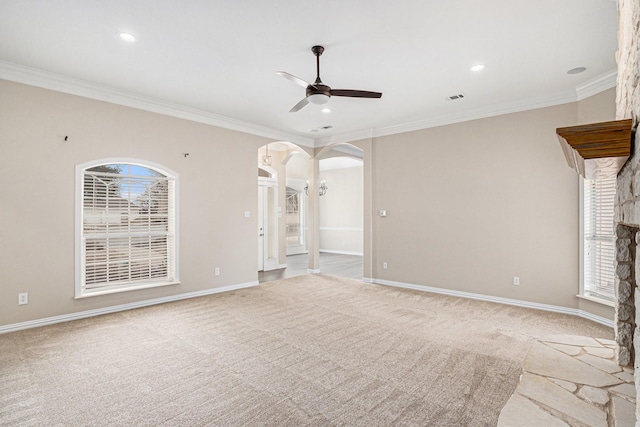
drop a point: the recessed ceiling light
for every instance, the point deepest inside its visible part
(577, 70)
(477, 67)
(326, 110)
(127, 37)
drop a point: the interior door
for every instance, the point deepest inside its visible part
(267, 224)
(260, 228)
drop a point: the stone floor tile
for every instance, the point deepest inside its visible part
(594, 395)
(608, 343)
(605, 353)
(569, 386)
(571, 350)
(572, 340)
(600, 363)
(624, 412)
(547, 393)
(546, 361)
(521, 412)
(625, 376)
(625, 389)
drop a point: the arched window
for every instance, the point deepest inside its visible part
(126, 227)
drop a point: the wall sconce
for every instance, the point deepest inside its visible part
(322, 190)
(266, 159)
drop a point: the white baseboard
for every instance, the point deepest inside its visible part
(499, 300)
(113, 309)
(327, 251)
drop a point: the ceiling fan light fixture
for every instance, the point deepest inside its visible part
(318, 98)
(129, 38)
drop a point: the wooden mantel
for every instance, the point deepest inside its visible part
(597, 150)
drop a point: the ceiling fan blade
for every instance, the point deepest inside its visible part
(299, 105)
(355, 93)
(296, 80)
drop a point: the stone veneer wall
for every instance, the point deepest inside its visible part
(626, 242)
(628, 185)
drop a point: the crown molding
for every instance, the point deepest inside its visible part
(597, 85)
(48, 80)
(481, 113)
(447, 119)
(585, 90)
(356, 135)
(73, 86)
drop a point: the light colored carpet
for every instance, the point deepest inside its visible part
(310, 350)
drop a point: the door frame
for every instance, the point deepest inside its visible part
(266, 216)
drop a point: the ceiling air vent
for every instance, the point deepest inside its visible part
(321, 128)
(454, 97)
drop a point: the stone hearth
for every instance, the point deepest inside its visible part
(572, 380)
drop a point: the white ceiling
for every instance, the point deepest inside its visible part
(217, 59)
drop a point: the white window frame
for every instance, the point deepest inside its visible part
(80, 290)
(586, 291)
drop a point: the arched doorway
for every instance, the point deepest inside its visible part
(341, 210)
(282, 207)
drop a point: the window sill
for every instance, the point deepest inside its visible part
(597, 300)
(124, 289)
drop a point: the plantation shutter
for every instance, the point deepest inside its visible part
(599, 237)
(127, 227)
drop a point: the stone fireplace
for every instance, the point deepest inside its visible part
(601, 150)
(627, 207)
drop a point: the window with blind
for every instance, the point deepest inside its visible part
(599, 237)
(127, 228)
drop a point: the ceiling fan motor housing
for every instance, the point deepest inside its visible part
(318, 94)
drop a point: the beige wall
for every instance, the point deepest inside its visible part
(341, 218)
(470, 205)
(474, 204)
(297, 167)
(597, 108)
(37, 200)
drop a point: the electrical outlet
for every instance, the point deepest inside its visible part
(516, 280)
(217, 271)
(384, 265)
(23, 298)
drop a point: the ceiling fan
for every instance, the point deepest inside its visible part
(318, 92)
